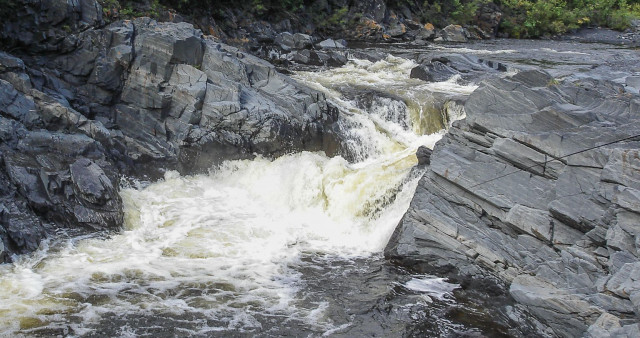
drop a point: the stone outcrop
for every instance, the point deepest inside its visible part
(79, 111)
(467, 67)
(504, 197)
(452, 33)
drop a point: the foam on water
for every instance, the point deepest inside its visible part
(225, 245)
(434, 287)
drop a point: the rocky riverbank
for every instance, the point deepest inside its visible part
(133, 98)
(84, 103)
(504, 197)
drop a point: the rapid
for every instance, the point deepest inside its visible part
(287, 246)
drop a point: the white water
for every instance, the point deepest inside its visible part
(225, 245)
(432, 287)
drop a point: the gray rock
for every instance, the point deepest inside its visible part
(133, 98)
(488, 200)
(531, 221)
(397, 30)
(424, 155)
(302, 40)
(633, 83)
(433, 71)
(453, 33)
(612, 303)
(626, 281)
(330, 43)
(286, 41)
(565, 312)
(3, 254)
(619, 239)
(604, 326)
(428, 32)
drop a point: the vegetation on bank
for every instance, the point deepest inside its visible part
(526, 18)
(521, 18)
(533, 18)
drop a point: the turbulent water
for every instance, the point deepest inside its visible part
(290, 246)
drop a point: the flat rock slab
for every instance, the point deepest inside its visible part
(510, 190)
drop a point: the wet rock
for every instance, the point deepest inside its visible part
(424, 155)
(24, 230)
(433, 71)
(469, 67)
(4, 257)
(330, 58)
(563, 232)
(135, 98)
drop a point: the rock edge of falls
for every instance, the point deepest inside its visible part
(79, 111)
(565, 234)
(133, 99)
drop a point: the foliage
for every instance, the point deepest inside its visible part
(126, 9)
(521, 18)
(337, 19)
(531, 18)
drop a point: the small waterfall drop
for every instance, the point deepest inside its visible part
(232, 250)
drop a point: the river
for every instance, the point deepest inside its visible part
(284, 247)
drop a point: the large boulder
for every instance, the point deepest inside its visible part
(134, 98)
(453, 33)
(539, 187)
(468, 67)
(434, 71)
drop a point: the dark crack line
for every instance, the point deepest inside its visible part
(557, 159)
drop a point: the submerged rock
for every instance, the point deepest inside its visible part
(503, 193)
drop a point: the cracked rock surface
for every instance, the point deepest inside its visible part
(501, 198)
(83, 104)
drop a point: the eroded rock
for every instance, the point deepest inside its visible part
(134, 98)
(504, 194)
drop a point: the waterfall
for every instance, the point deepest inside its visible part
(223, 250)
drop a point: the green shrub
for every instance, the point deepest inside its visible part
(534, 18)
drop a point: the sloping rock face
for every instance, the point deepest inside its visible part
(133, 98)
(502, 198)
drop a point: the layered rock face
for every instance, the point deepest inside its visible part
(133, 98)
(501, 197)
